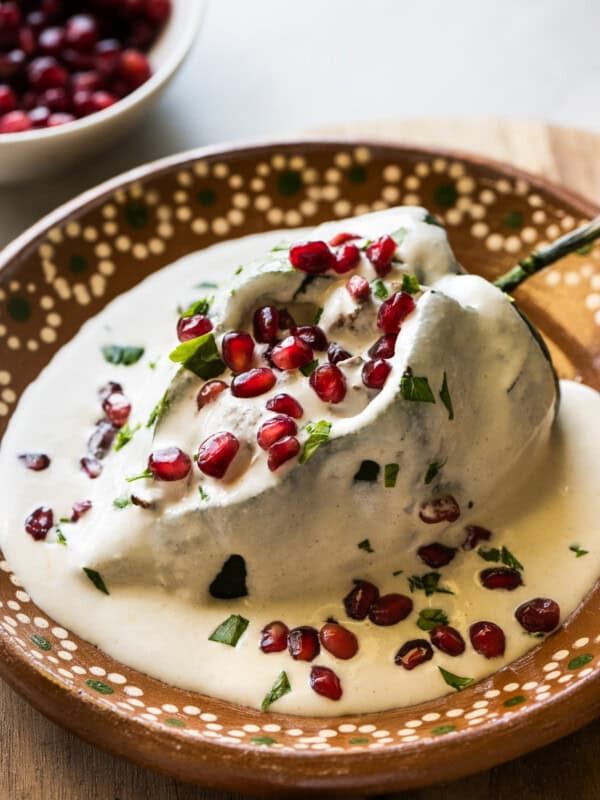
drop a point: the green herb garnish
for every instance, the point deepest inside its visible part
(585, 250)
(430, 618)
(145, 474)
(430, 219)
(309, 368)
(455, 681)
(416, 389)
(96, 579)
(368, 471)
(379, 289)
(159, 409)
(445, 397)
(200, 356)
(280, 687)
(230, 631)
(390, 475)
(410, 284)
(578, 551)
(61, 538)
(122, 502)
(397, 572)
(115, 354)
(238, 271)
(202, 493)
(428, 583)
(280, 246)
(125, 435)
(318, 434)
(41, 642)
(365, 545)
(433, 469)
(199, 307)
(504, 555)
(207, 285)
(318, 315)
(489, 553)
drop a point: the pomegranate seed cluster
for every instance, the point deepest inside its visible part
(61, 60)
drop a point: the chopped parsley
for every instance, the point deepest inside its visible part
(445, 397)
(96, 579)
(280, 246)
(309, 368)
(159, 409)
(430, 618)
(410, 284)
(455, 681)
(239, 271)
(430, 219)
(203, 495)
(318, 434)
(199, 307)
(578, 551)
(145, 474)
(428, 583)
(379, 289)
(207, 285)
(416, 389)
(318, 315)
(125, 435)
(200, 356)
(397, 572)
(366, 546)
(60, 537)
(116, 354)
(280, 687)
(230, 631)
(504, 555)
(390, 475)
(433, 469)
(122, 502)
(368, 471)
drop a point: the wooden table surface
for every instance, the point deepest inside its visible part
(39, 761)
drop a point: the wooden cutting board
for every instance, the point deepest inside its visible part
(39, 761)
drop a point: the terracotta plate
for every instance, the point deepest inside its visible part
(71, 264)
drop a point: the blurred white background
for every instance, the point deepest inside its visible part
(267, 67)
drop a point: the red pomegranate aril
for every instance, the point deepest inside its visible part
(216, 453)
(27, 40)
(286, 321)
(11, 63)
(325, 682)
(312, 257)
(442, 509)
(266, 324)
(102, 100)
(8, 99)
(291, 353)
(285, 404)
(59, 118)
(36, 462)
(51, 40)
(81, 32)
(448, 640)
(77, 60)
(80, 508)
(102, 438)
(303, 643)
(39, 522)
(117, 408)
(275, 429)
(109, 388)
(329, 383)
(10, 16)
(158, 10)
(501, 578)
(414, 653)
(384, 347)
(436, 555)
(83, 104)
(39, 116)
(389, 609)
(381, 254)
(342, 238)
(347, 258)
(539, 615)
(169, 464)
(393, 311)
(91, 466)
(192, 327)
(338, 641)
(238, 350)
(134, 68)
(36, 20)
(474, 535)
(274, 637)
(107, 55)
(89, 81)
(360, 599)
(56, 99)
(358, 288)
(209, 393)
(375, 373)
(313, 336)
(253, 383)
(45, 72)
(487, 639)
(15, 122)
(282, 451)
(336, 353)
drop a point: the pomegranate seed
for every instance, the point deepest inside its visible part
(501, 578)
(303, 643)
(254, 382)
(134, 68)
(384, 347)
(8, 99)
(102, 100)
(329, 383)
(381, 254)
(80, 508)
(39, 522)
(91, 466)
(285, 404)
(282, 451)
(414, 653)
(375, 373)
(36, 20)
(102, 438)
(89, 81)
(216, 453)
(436, 555)
(82, 103)
(540, 615)
(448, 640)
(390, 609)
(444, 509)
(487, 639)
(275, 429)
(39, 116)
(56, 99)
(266, 324)
(107, 55)
(209, 393)
(342, 238)
(313, 336)
(238, 350)
(37, 462)
(10, 16)
(291, 353)
(312, 257)
(358, 288)
(339, 641)
(335, 353)
(11, 63)
(45, 72)
(286, 321)
(325, 682)
(142, 35)
(192, 327)
(117, 408)
(273, 637)
(169, 464)
(475, 534)
(59, 118)
(393, 311)
(51, 40)
(346, 258)
(360, 599)
(81, 32)
(158, 10)
(27, 40)
(15, 122)
(109, 388)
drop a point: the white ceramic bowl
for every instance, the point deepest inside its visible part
(39, 154)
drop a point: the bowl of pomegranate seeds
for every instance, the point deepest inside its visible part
(290, 480)
(77, 74)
